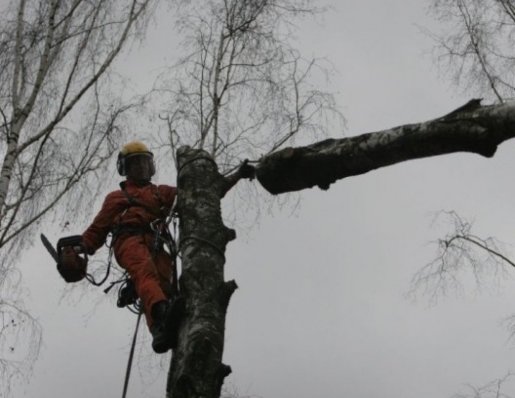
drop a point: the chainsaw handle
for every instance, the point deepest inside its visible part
(74, 241)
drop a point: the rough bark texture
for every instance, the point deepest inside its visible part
(470, 128)
(196, 369)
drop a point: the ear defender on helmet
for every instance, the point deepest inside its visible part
(152, 165)
(120, 165)
(133, 148)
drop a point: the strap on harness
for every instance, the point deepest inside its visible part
(135, 202)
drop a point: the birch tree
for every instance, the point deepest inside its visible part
(58, 127)
(241, 91)
(204, 166)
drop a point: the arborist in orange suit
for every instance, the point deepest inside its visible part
(128, 213)
(132, 215)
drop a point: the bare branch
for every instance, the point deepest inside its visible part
(461, 253)
(477, 46)
(494, 389)
(54, 62)
(241, 83)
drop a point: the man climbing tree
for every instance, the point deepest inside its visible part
(136, 215)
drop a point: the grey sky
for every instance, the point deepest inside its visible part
(321, 308)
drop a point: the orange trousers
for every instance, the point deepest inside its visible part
(152, 275)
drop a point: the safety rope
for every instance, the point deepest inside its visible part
(131, 355)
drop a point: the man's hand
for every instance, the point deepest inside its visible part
(72, 266)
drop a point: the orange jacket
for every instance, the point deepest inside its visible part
(116, 210)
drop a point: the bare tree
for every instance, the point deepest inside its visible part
(461, 253)
(244, 93)
(58, 121)
(243, 90)
(241, 93)
(197, 368)
(477, 44)
(476, 47)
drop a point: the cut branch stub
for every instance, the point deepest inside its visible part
(197, 360)
(478, 129)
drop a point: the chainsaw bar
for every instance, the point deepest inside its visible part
(50, 248)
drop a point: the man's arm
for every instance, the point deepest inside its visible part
(95, 235)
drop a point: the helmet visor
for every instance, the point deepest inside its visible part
(140, 166)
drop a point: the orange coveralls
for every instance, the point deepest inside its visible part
(152, 275)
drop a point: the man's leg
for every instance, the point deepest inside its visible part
(134, 255)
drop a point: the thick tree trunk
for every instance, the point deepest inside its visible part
(196, 369)
(470, 128)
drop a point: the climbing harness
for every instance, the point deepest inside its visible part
(127, 296)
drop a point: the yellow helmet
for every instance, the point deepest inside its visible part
(133, 148)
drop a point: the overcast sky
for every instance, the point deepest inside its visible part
(321, 310)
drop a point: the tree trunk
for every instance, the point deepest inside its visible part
(196, 369)
(470, 128)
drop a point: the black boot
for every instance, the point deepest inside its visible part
(166, 317)
(160, 338)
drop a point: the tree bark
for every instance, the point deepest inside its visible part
(470, 128)
(196, 369)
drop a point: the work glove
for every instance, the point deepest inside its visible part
(72, 266)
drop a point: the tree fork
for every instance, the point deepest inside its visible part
(196, 369)
(470, 128)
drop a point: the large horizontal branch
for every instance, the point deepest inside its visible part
(470, 128)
